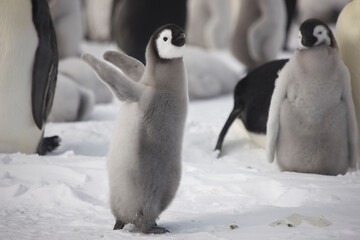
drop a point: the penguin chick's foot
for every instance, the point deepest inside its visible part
(119, 225)
(48, 144)
(157, 230)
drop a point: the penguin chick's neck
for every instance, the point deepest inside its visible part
(165, 74)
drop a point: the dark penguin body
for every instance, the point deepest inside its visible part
(144, 159)
(291, 11)
(28, 70)
(252, 97)
(312, 124)
(134, 21)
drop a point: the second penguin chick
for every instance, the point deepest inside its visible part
(312, 126)
(144, 161)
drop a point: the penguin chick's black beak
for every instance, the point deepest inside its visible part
(308, 41)
(179, 40)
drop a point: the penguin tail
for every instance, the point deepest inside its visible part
(233, 115)
(48, 144)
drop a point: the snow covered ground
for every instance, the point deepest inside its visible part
(64, 195)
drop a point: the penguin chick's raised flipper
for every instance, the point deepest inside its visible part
(312, 125)
(252, 97)
(144, 160)
(28, 70)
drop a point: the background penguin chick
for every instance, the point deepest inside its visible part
(209, 23)
(348, 38)
(97, 16)
(312, 125)
(207, 80)
(67, 18)
(72, 102)
(83, 75)
(260, 31)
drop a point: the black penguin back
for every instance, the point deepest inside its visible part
(252, 97)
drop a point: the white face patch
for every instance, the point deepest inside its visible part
(299, 43)
(166, 49)
(321, 33)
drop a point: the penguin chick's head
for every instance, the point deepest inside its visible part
(169, 42)
(313, 32)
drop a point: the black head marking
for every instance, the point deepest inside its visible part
(313, 32)
(177, 37)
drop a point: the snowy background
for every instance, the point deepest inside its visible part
(64, 195)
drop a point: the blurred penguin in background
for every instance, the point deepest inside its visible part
(259, 33)
(325, 10)
(134, 21)
(348, 37)
(67, 19)
(97, 15)
(290, 12)
(78, 87)
(209, 23)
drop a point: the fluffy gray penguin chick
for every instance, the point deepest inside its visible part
(144, 160)
(312, 126)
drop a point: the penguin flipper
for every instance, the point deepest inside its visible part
(273, 123)
(45, 65)
(122, 87)
(132, 67)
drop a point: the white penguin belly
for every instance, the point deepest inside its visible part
(313, 146)
(18, 44)
(123, 161)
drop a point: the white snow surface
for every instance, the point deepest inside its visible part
(64, 195)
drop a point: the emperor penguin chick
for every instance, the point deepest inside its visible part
(312, 125)
(144, 160)
(348, 37)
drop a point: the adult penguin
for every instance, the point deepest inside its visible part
(252, 97)
(312, 125)
(133, 22)
(28, 70)
(348, 37)
(259, 33)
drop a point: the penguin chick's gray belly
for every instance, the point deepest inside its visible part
(313, 144)
(18, 44)
(161, 138)
(144, 161)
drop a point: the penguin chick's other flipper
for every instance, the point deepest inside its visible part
(122, 87)
(130, 66)
(48, 144)
(45, 65)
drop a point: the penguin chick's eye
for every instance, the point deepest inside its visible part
(165, 39)
(320, 32)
